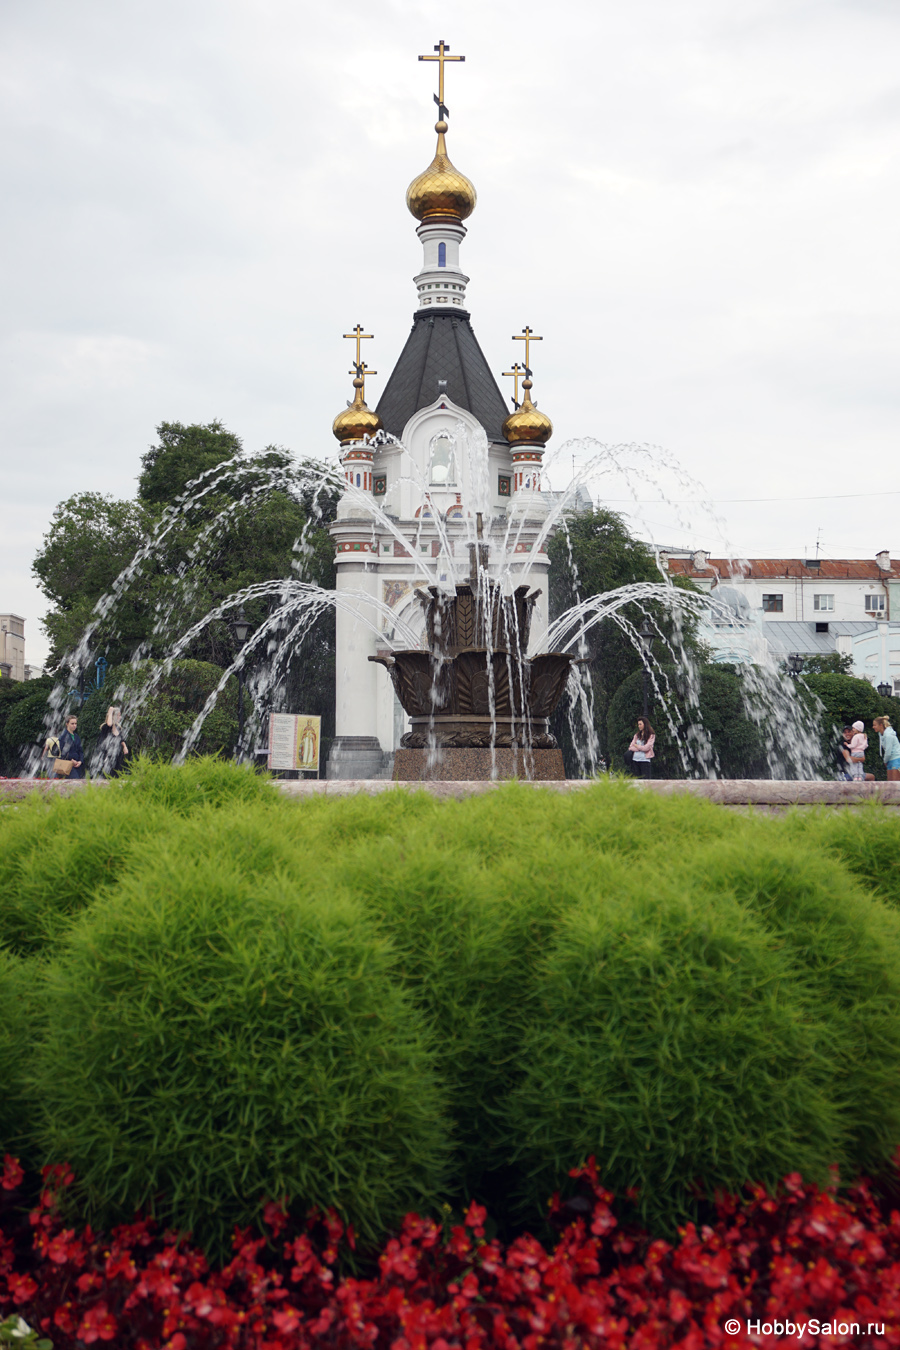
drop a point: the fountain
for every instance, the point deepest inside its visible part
(479, 706)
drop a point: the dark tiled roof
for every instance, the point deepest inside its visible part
(442, 347)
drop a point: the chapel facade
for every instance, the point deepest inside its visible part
(440, 448)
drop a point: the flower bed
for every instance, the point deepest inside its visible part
(809, 1264)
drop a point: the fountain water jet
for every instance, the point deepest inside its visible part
(479, 706)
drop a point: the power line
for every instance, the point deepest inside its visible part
(733, 501)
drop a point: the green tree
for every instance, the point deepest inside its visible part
(183, 454)
(737, 741)
(92, 538)
(848, 700)
(829, 663)
(159, 724)
(592, 554)
(170, 558)
(23, 708)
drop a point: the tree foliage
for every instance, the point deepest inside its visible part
(184, 453)
(166, 699)
(23, 707)
(592, 554)
(737, 742)
(172, 555)
(848, 700)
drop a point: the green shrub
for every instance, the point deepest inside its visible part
(739, 743)
(159, 723)
(844, 948)
(57, 854)
(848, 699)
(671, 1046)
(867, 841)
(25, 729)
(217, 1039)
(17, 1013)
(199, 782)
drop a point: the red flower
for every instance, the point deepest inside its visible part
(98, 1324)
(21, 1288)
(13, 1175)
(287, 1320)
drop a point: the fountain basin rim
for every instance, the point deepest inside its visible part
(492, 651)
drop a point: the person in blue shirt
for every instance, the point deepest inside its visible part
(889, 745)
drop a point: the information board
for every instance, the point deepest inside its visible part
(294, 741)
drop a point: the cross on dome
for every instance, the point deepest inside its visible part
(359, 335)
(361, 371)
(443, 54)
(516, 371)
(527, 336)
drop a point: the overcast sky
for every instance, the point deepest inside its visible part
(695, 201)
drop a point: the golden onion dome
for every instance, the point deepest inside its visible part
(441, 190)
(356, 421)
(527, 426)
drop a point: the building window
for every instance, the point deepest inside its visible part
(823, 602)
(773, 604)
(443, 461)
(503, 485)
(442, 255)
(379, 485)
(874, 604)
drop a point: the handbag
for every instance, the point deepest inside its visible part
(63, 767)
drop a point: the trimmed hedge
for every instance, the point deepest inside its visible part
(58, 854)
(215, 1039)
(842, 947)
(18, 1021)
(522, 978)
(673, 1045)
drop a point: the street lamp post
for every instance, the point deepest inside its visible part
(794, 665)
(884, 689)
(240, 627)
(646, 637)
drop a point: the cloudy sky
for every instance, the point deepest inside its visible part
(695, 201)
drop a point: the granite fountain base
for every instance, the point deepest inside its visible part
(461, 764)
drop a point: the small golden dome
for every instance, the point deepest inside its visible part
(527, 426)
(441, 190)
(356, 421)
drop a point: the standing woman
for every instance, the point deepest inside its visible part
(641, 748)
(889, 745)
(70, 748)
(111, 748)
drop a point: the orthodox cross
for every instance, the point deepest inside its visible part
(361, 371)
(359, 335)
(516, 371)
(442, 55)
(526, 336)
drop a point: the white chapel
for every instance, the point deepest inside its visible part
(440, 447)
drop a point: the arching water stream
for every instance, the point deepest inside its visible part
(294, 604)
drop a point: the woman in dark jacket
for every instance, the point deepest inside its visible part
(70, 747)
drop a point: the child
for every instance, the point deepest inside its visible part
(859, 744)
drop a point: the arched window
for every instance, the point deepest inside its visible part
(357, 480)
(443, 461)
(442, 255)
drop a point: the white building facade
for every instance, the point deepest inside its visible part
(811, 607)
(12, 647)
